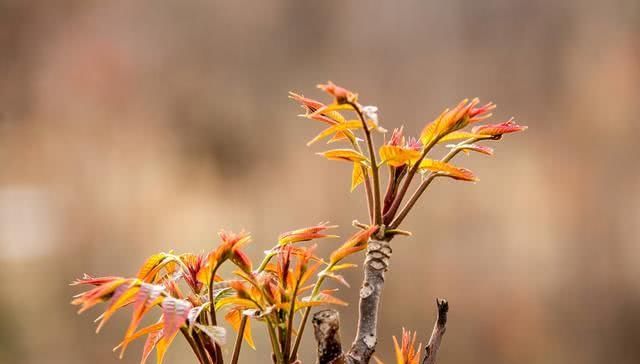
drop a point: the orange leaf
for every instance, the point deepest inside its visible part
(348, 155)
(357, 176)
(305, 234)
(148, 295)
(123, 296)
(342, 128)
(472, 147)
(494, 130)
(448, 170)
(144, 331)
(149, 344)
(397, 156)
(337, 277)
(175, 313)
(322, 298)
(452, 120)
(458, 135)
(407, 353)
(341, 94)
(234, 317)
(356, 243)
(150, 267)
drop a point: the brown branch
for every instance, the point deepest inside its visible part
(440, 327)
(375, 265)
(326, 327)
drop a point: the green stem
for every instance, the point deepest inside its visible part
(307, 310)
(212, 307)
(274, 342)
(292, 313)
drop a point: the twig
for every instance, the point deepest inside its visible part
(405, 186)
(440, 327)
(374, 165)
(375, 265)
(202, 359)
(239, 339)
(326, 327)
(289, 332)
(425, 183)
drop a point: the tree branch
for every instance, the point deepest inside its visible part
(326, 327)
(375, 265)
(431, 350)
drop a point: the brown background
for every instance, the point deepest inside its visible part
(128, 128)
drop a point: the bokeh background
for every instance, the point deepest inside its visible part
(131, 127)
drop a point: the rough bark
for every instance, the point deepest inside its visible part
(326, 327)
(375, 265)
(431, 350)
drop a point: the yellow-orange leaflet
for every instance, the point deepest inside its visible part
(396, 156)
(448, 170)
(342, 129)
(348, 155)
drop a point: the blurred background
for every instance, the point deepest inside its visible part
(128, 128)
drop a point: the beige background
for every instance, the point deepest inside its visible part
(131, 127)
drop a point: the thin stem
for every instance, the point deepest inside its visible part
(367, 187)
(212, 307)
(412, 200)
(274, 342)
(194, 346)
(405, 186)
(374, 165)
(200, 347)
(425, 183)
(266, 259)
(239, 340)
(292, 312)
(305, 315)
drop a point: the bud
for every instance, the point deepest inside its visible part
(341, 94)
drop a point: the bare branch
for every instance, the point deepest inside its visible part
(431, 350)
(375, 265)
(326, 327)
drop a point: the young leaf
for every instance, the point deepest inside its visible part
(138, 334)
(150, 344)
(496, 130)
(407, 353)
(234, 317)
(343, 129)
(175, 314)
(397, 156)
(448, 170)
(472, 147)
(124, 296)
(348, 155)
(357, 176)
(216, 333)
